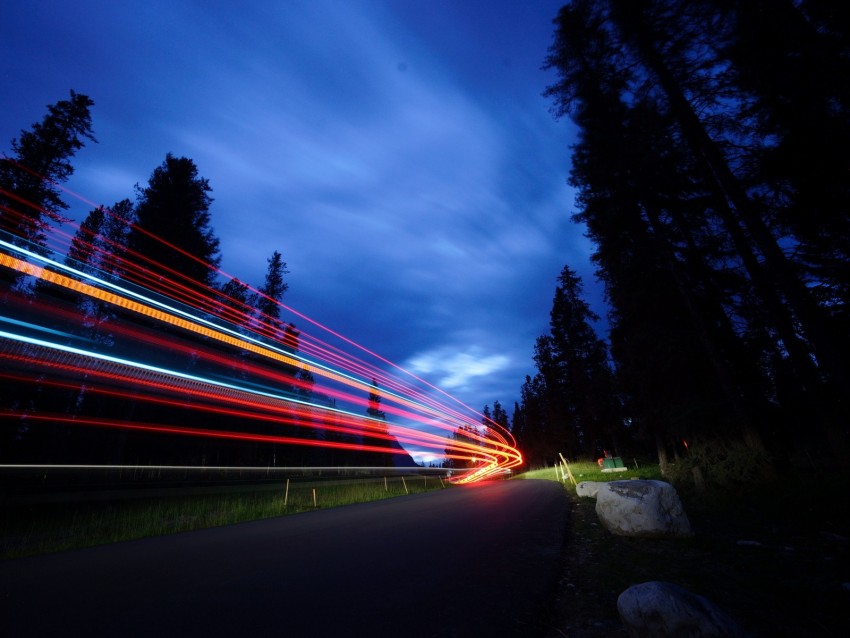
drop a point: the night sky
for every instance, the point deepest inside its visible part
(399, 155)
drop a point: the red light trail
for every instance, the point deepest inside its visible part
(153, 323)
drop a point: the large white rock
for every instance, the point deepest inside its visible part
(641, 508)
(588, 489)
(657, 609)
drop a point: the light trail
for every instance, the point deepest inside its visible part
(248, 372)
(181, 319)
(388, 380)
(190, 296)
(240, 402)
(459, 450)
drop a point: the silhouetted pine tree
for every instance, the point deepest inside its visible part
(271, 293)
(29, 201)
(571, 406)
(173, 230)
(499, 415)
(41, 159)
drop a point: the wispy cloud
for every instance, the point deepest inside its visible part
(455, 370)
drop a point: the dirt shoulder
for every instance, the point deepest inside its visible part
(780, 569)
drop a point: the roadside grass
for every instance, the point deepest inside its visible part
(590, 471)
(28, 529)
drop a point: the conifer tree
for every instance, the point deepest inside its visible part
(271, 293)
(500, 416)
(99, 247)
(173, 231)
(236, 300)
(41, 159)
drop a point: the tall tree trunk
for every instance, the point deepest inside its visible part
(741, 414)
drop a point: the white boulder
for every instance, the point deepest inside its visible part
(588, 489)
(657, 609)
(641, 508)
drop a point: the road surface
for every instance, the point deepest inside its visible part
(480, 560)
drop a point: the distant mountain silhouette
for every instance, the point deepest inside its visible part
(402, 460)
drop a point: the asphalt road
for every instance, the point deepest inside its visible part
(481, 560)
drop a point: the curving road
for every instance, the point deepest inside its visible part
(480, 560)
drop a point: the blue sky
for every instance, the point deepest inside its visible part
(397, 153)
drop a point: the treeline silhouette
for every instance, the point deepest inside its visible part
(162, 243)
(712, 176)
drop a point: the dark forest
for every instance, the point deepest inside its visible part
(712, 177)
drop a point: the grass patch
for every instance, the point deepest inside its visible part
(590, 471)
(28, 529)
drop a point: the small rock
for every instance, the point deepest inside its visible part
(657, 609)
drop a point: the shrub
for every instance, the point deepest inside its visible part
(721, 464)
